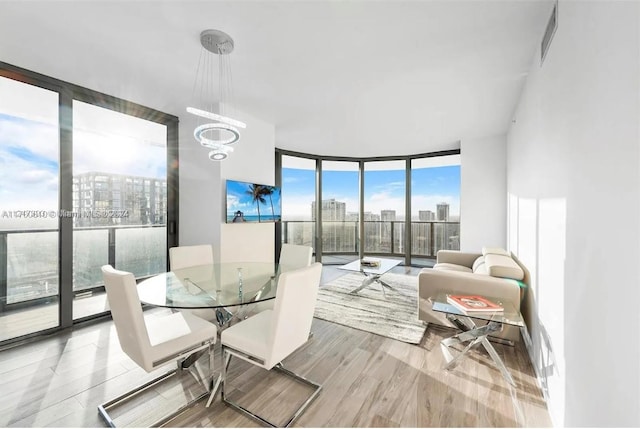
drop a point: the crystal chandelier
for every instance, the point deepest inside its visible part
(215, 131)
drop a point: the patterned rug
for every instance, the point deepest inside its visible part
(395, 317)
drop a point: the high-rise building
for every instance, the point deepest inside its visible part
(443, 211)
(384, 232)
(373, 217)
(387, 215)
(337, 234)
(331, 210)
(137, 200)
(426, 215)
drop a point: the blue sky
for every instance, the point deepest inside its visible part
(384, 189)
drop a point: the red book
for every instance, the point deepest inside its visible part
(473, 303)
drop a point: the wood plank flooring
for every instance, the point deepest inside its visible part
(368, 381)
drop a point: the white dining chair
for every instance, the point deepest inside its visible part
(292, 257)
(268, 337)
(191, 256)
(152, 341)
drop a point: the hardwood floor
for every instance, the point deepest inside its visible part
(368, 381)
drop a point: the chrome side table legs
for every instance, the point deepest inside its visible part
(474, 336)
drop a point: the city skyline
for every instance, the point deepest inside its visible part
(384, 190)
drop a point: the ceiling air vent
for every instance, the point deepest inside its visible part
(549, 32)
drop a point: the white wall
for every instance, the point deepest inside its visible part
(483, 190)
(202, 194)
(253, 160)
(573, 172)
(200, 212)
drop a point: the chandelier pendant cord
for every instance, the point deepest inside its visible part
(224, 131)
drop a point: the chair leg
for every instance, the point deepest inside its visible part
(262, 420)
(103, 409)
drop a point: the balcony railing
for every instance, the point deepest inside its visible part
(380, 237)
(29, 258)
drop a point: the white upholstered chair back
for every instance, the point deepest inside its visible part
(294, 256)
(293, 312)
(190, 256)
(126, 311)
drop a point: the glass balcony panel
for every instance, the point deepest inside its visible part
(421, 239)
(299, 232)
(32, 269)
(90, 252)
(141, 251)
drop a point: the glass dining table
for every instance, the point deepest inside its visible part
(215, 286)
(224, 287)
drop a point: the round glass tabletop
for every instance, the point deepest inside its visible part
(212, 286)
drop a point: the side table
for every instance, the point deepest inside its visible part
(474, 334)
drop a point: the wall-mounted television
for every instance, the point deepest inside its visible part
(252, 202)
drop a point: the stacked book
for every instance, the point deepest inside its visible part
(369, 263)
(474, 304)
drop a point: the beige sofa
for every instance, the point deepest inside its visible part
(493, 273)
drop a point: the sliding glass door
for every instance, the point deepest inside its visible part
(119, 200)
(86, 179)
(29, 171)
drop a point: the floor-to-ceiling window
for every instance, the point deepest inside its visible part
(384, 207)
(119, 197)
(29, 171)
(339, 210)
(435, 205)
(299, 180)
(409, 205)
(84, 181)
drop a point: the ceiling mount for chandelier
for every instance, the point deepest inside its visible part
(220, 130)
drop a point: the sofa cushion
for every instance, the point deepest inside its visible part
(479, 267)
(445, 266)
(495, 251)
(503, 266)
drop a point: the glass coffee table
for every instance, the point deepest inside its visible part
(473, 333)
(372, 274)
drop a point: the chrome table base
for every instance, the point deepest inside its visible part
(373, 278)
(474, 335)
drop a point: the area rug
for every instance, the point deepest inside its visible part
(395, 317)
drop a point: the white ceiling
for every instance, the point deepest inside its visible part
(336, 78)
